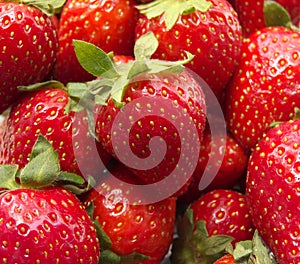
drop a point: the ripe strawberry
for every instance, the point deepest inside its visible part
(210, 224)
(210, 30)
(272, 191)
(223, 158)
(140, 232)
(28, 48)
(293, 8)
(256, 97)
(43, 112)
(227, 259)
(107, 24)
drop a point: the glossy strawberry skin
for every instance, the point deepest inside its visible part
(213, 37)
(142, 228)
(46, 226)
(272, 190)
(107, 24)
(179, 96)
(255, 95)
(225, 213)
(227, 259)
(43, 112)
(29, 45)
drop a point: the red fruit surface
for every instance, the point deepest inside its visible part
(224, 212)
(46, 226)
(272, 190)
(213, 37)
(28, 45)
(106, 24)
(227, 259)
(266, 85)
(43, 112)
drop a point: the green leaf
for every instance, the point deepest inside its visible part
(118, 90)
(42, 169)
(216, 244)
(8, 176)
(41, 145)
(70, 178)
(134, 257)
(242, 251)
(137, 68)
(94, 60)
(48, 7)
(145, 46)
(109, 257)
(42, 85)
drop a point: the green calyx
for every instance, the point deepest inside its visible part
(194, 245)
(106, 254)
(49, 7)
(41, 171)
(276, 15)
(172, 9)
(114, 79)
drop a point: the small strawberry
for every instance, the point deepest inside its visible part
(210, 224)
(43, 112)
(40, 222)
(210, 30)
(266, 85)
(227, 259)
(29, 45)
(223, 158)
(107, 24)
(135, 233)
(272, 190)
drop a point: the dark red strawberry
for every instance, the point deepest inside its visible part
(40, 222)
(293, 8)
(210, 30)
(43, 112)
(273, 188)
(28, 47)
(107, 24)
(265, 87)
(210, 225)
(140, 232)
(223, 158)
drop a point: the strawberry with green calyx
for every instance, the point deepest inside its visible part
(265, 87)
(210, 30)
(41, 221)
(156, 99)
(130, 232)
(42, 111)
(272, 190)
(107, 24)
(29, 45)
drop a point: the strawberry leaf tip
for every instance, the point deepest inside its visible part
(41, 85)
(171, 10)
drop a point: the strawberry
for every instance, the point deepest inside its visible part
(29, 44)
(40, 222)
(223, 158)
(210, 30)
(107, 24)
(255, 95)
(293, 8)
(210, 224)
(272, 190)
(227, 259)
(43, 112)
(143, 100)
(141, 233)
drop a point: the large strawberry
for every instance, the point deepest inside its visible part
(273, 190)
(210, 30)
(144, 100)
(28, 45)
(135, 233)
(44, 112)
(107, 24)
(210, 224)
(40, 222)
(266, 85)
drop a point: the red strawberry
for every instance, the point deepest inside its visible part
(44, 112)
(293, 8)
(227, 259)
(28, 48)
(265, 88)
(273, 190)
(107, 24)
(210, 30)
(140, 232)
(221, 157)
(210, 224)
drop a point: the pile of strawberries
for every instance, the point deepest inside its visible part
(150, 132)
